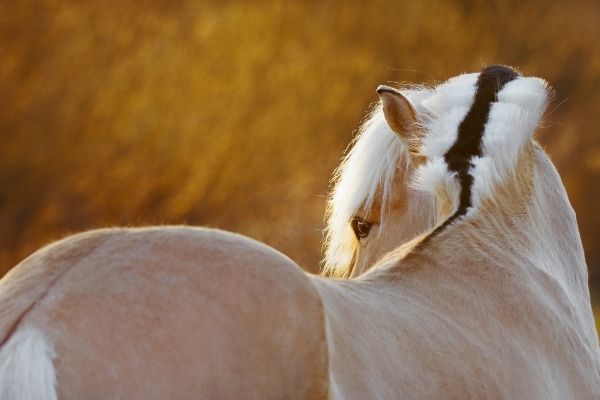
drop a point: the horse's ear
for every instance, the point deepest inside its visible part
(398, 110)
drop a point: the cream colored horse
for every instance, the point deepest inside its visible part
(491, 303)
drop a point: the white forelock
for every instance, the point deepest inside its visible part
(371, 163)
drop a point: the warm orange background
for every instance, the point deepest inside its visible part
(234, 113)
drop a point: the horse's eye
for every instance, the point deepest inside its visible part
(360, 227)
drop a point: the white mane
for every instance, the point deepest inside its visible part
(370, 164)
(512, 122)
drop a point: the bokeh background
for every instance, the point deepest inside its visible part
(233, 114)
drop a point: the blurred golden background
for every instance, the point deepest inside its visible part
(233, 114)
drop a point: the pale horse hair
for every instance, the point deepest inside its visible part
(26, 367)
(368, 169)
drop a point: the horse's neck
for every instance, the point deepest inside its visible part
(556, 245)
(542, 234)
(538, 240)
(511, 284)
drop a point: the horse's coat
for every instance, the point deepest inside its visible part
(165, 313)
(493, 305)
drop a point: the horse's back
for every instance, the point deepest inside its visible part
(175, 313)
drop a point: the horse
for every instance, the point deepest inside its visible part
(490, 302)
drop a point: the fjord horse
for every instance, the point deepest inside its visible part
(491, 302)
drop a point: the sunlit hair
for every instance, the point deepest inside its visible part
(368, 169)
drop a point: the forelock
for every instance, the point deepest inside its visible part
(367, 170)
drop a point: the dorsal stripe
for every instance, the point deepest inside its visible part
(470, 135)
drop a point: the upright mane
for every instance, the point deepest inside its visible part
(368, 169)
(477, 126)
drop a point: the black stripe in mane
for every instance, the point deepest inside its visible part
(470, 134)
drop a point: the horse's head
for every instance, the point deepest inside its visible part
(407, 168)
(372, 209)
